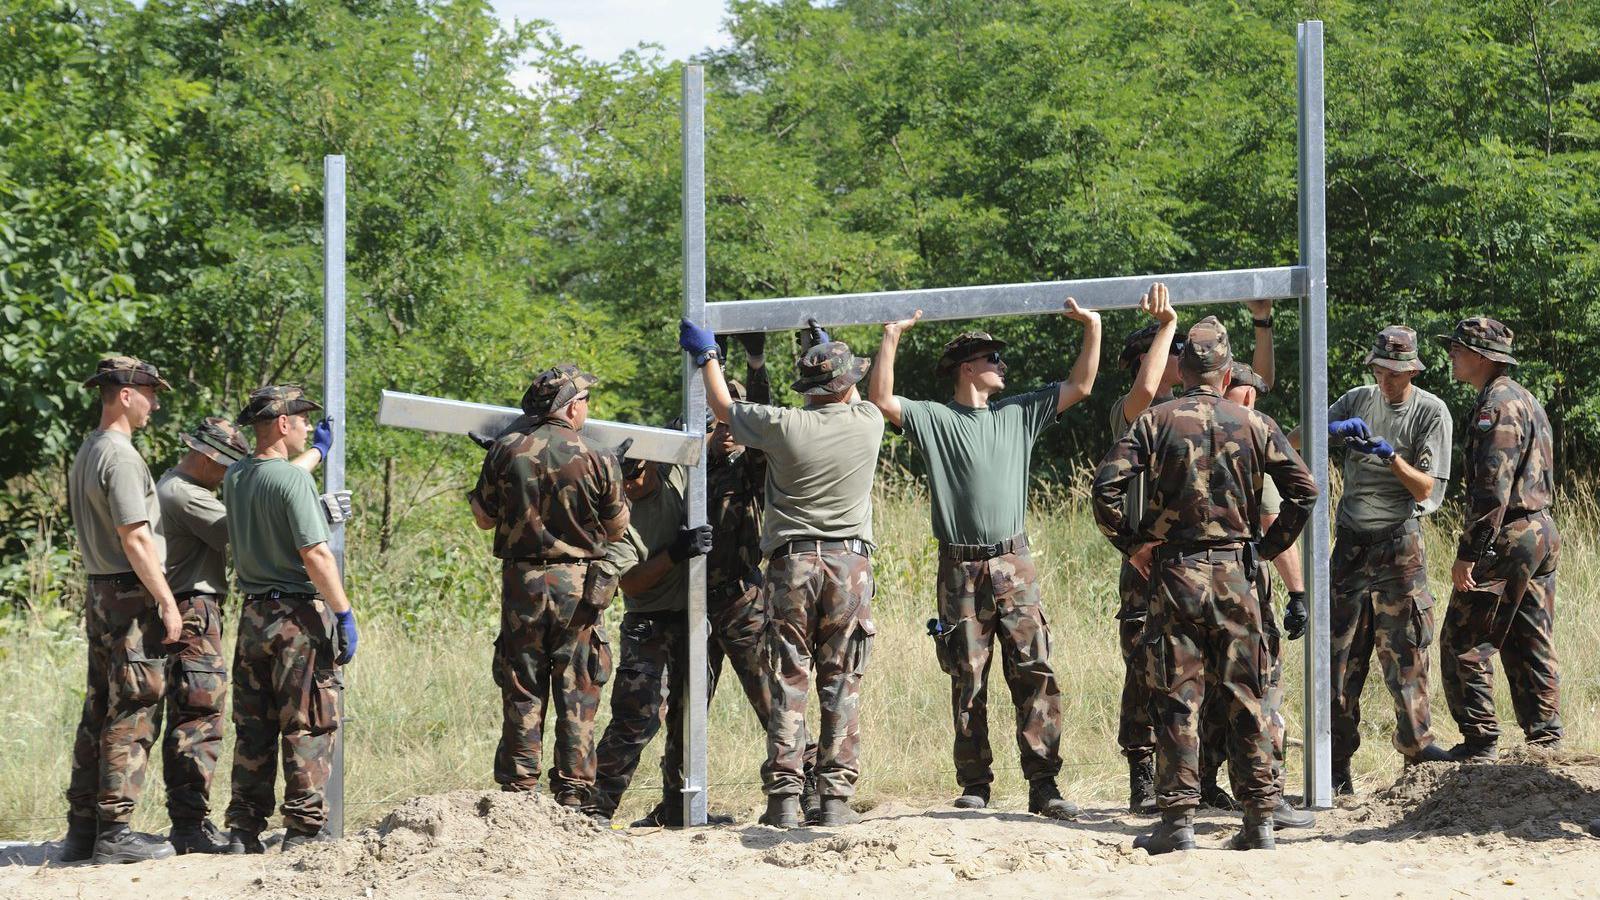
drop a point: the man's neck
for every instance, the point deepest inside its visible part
(115, 420)
(1481, 381)
(274, 450)
(971, 395)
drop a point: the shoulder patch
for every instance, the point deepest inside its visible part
(1485, 420)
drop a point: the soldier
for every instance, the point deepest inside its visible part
(1505, 569)
(296, 628)
(1206, 457)
(129, 618)
(817, 536)
(978, 452)
(553, 504)
(195, 525)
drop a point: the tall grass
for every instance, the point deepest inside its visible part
(424, 714)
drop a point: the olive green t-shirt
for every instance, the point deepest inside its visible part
(1420, 432)
(109, 486)
(652, 527)
(820, 464)
(195, 524)
(273, 513)
(978, 461)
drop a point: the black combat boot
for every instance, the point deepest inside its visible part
(241, 841)
(975, 797)
(783, 811)
(78, 845)
(810, 793)
(1475, 751)
(1430, 753)
(1174, 832)
(670, 815)
(1286, 816)
(836, 811)
(1142, 787)
(1255, 835)
(1343, 784)
(197, 837)
(117, 843)
(1212, 795)
(1045, 800)
(295, 837)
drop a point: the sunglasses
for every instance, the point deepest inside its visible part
(992, 357)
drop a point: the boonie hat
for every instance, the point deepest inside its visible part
(126, 370)
(276, 400)
(1396, 350)
(1485, 336)
(555, 387)
(1245, 376)
(1206, 350)
(829, 369)
(1138, 344)
(219, 440)
(966, 345)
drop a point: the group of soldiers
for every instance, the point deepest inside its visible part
(1198, 493)
(155, 553)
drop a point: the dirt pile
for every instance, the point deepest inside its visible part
(471, 842)
(1529, 794)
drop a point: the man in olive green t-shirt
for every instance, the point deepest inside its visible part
(295, 627)
(978, 452)
(818, 539)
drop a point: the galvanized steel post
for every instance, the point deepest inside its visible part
(1314, 414)
(694, 424)
(333, 405)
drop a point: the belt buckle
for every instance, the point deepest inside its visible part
(993, 549)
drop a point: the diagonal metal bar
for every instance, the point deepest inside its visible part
(1034, 298)
(402, 410)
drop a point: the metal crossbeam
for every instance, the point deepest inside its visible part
(1033, 298)
(402, 410)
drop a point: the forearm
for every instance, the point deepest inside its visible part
(1294, 438)
(139, 546)
(717, 396)
(1080, 382)
(647, 574)
(479, 517)
(1288, 562)
(1262, 357)
(1416, 481)
(1148, 381)
(880, 381)
(324, 573)
(308, 461)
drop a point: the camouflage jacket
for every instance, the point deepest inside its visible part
(735, 498)
(1509, 464)
(1207, 458)
(551, 496)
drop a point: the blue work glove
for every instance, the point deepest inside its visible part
(322, 436)
(345, 638)
(1378, 447)
(698, 342)
(1349, 428)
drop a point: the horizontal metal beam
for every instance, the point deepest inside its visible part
(402, 410)
(1036, 298)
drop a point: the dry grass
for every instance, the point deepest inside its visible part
(425, 713)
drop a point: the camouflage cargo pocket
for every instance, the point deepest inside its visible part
(1422, 621)
(599, 658)
(497, 662)
(860, 649)
(202, 684)
(322, 715)
(941, 650)
(139, 680)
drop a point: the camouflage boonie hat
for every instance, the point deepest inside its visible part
(275, 400)
(967, 345)
(126, 370)
(1138, 344)
(1206, 349)
(1396, 350)
(1489, 338)
(829, 369)
(1244, 376)
(556, 387)
(218, 439)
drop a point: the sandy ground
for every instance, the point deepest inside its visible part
(1511, 830)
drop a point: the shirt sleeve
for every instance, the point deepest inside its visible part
(306, 521)
(914, 417)
(1433, 456)
(1296, 485)
(1341, 408)
(613, 506)
(1128, 459)
(205, 515)
(622, 554)
(1490, 471)
(1042, 408)
(125, 483)
(756, 424)
(485, 492)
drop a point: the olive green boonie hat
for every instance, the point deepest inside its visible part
(966, 345)
(555, 387)
(829, 369)
(1206, 349)
(1396, 350)
(118, 370)
(1244, 376)
(218, 439)
(1137, 344)
(1485, 336)
(275, 400)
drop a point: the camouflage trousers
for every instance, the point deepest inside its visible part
(979, 601)
(126, 679)
(286, 690)
(1512, 612)
(1136, 733)
(650, 689)
(551, 648)
(1381, 603)
(819, 607)
(1214, 721)
(738, 635)
(1206, 634)
(197, 688)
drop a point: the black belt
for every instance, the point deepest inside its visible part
(185, 595)
(728, 590)
(979, 552)
(1379, 535)
(115, 578)
(555, 561)
(280, 595)
(1211, 553)
(1517, 514)
(818, 545)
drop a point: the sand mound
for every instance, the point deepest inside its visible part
(1529, 794)
(471, 841)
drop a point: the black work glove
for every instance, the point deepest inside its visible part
(690, 542)
(722, 347)
(754, 343)
(1294, 616)
(481, 440)
(621, 450)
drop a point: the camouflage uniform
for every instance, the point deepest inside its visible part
(1206, 457)
(108, 487)
(554, 501)
(1511, 538)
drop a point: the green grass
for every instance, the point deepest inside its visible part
(425, 714)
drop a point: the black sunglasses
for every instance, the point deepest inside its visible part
(993, 357)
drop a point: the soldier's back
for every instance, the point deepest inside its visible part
(553, 494)
(1207, 457)
(1509, 441)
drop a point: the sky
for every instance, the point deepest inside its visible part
(605, 28)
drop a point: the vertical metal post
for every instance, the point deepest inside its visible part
(694, 423)
(333, 404)
(1314, 414)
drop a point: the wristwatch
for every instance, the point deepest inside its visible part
(1263, 323)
